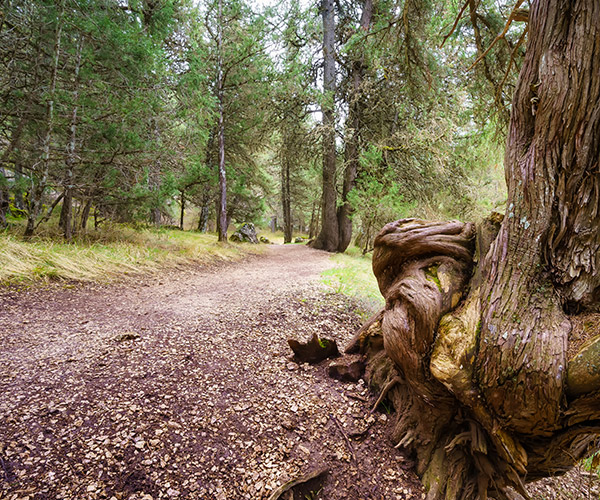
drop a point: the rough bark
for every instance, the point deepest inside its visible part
(66, 211)
(486, 393)
(328, 237)
(203, 220)
(353, 142)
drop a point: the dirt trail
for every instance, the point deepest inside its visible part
(181, 386)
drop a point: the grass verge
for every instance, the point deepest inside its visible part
(353, 276)
(110, 254)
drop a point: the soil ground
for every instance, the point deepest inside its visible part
(182, 385)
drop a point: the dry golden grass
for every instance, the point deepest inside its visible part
(108, 255)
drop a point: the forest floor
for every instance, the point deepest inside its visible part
(181, 385)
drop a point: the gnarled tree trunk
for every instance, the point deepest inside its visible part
(495, 389)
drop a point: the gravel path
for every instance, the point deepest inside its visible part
(182, 386)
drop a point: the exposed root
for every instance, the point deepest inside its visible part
(370, 329)
(385, 391)
(424, 355)
(348, 443)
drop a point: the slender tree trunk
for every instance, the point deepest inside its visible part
(501, 390)
(96, 219)
(311, 223)
(222, 177)
(65, 210)
(315, 219)
(49, 212)
(39, 185)
(329, 236)
(4, 198)
(66, 222)
(353, 142)
(85, 214)
(182, 213)
(286, 200)
(222, 211)
(154, 183)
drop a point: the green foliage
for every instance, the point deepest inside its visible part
(313, 495)
(131, 111)
(376, 199)
(592, 463)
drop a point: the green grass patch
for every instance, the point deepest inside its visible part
(353, 276)
(110, 254)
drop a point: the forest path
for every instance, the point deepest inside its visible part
(182, 386)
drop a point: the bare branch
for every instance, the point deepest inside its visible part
(516, 13)
(456, 21)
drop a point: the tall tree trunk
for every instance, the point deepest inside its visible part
(353, 142)
(204, 212)
(65, 210)
(39, 184)
(154, 184)
(222, 211)
(66, 222)
(315, 218)
(222, 177)
(329, 236)
(96, 219)
(311, 228)
(501, 390)
(286, 200)
(203, 220)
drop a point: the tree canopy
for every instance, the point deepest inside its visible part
(138, 111)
